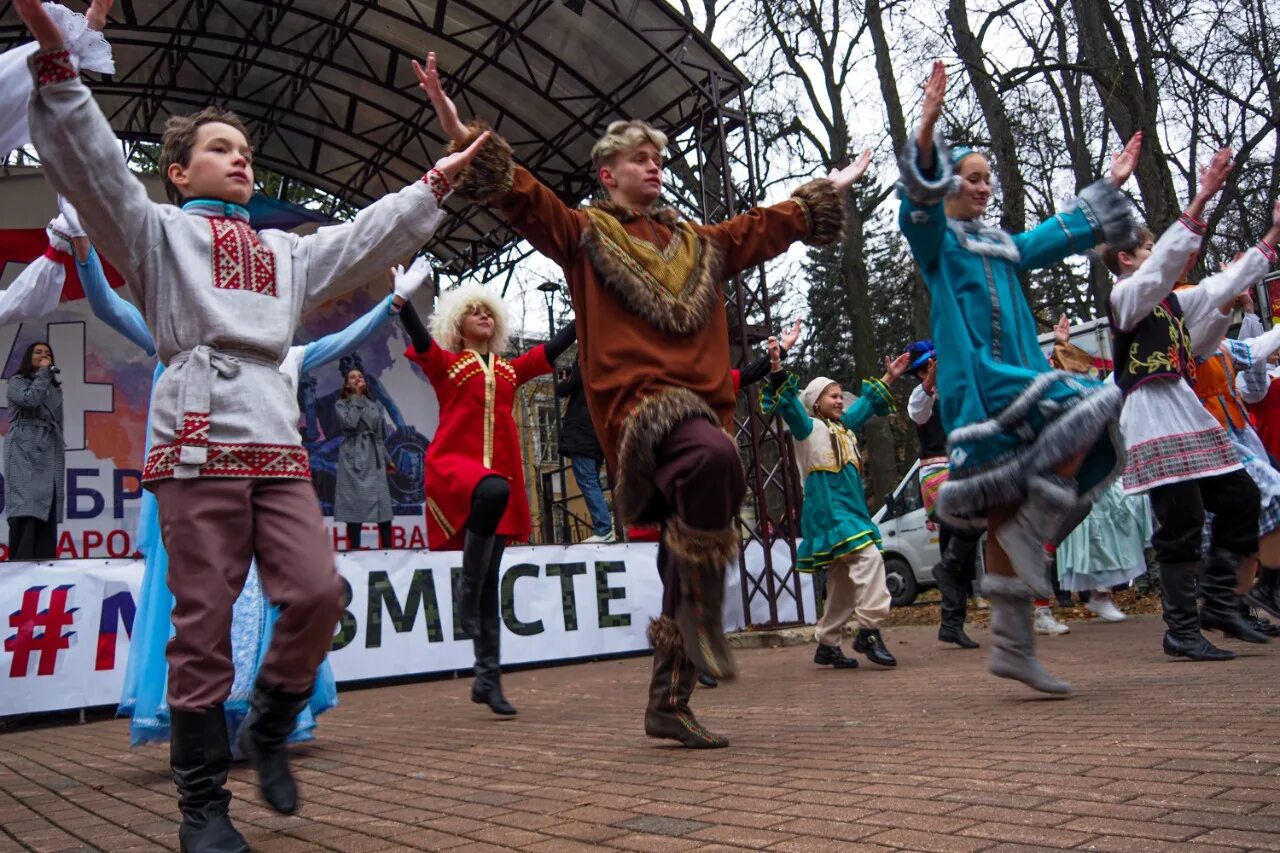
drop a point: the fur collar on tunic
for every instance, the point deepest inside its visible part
(675, 298)
(981, 239)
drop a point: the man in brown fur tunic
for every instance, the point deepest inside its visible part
(653, 341)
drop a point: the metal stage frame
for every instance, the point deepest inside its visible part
(332, 104)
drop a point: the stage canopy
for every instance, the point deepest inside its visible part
(333, 102)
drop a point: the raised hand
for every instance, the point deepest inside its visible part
(1062, 331)
(849, 175)
(1272, 237)
(408, 283)
(96, 16)
(1125, 161)
(930, 380)
(790, 336)
(446, 110)
(42, 27)
(895, 368)
(451, 165)
(775, 355)
(935, 93)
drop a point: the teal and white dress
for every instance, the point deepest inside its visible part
(835, 521)
(1010, 417)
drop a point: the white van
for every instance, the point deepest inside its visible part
(910, 547)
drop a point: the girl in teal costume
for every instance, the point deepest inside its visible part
(1027, 443)
(837, 527)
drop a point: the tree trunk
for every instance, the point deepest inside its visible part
(880, 468)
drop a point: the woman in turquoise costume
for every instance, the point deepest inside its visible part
(146, 674)
(1027, 444)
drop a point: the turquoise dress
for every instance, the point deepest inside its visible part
(1010, 417)
(835, 520)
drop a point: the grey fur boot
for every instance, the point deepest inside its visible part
(1013, 654)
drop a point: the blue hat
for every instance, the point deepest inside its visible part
(921, 353)
(960, 152)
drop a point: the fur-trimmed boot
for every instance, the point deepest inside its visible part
(1221, 611)
(272, 715)
(1182, 637)
(1039, 516)
(669, 715)
(200, 757)
(1014, 654)
(701, 557)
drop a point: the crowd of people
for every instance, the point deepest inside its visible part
(1062, 471)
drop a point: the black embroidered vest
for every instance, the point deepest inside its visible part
(931, 437)
(1158, 346)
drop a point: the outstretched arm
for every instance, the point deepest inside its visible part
(925, 177)
(537, 213)
(876, 399)
(561, 341)
(326, 349)
(1137, 295)
(110, 307)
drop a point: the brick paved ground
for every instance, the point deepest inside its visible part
(1149, 755)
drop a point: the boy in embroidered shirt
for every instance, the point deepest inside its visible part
(225, 454)
(837, 526)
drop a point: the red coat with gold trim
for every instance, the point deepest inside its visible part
(476, 438)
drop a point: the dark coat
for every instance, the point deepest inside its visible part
(577, 433)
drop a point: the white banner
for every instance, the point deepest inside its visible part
(69, 621)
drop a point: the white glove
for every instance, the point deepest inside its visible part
(60, 235)
(409, 282)
(72, 218)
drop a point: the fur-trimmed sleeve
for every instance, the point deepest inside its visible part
(824, 210)
(492, 170)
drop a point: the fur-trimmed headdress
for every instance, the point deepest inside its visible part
(453, 305)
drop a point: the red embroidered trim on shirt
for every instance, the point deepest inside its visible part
(1267, 252)
(240, 262)
(54, 66)
(438, 183)
(195, 429)
(1184, 456)
(234, 460)
(1195, 226)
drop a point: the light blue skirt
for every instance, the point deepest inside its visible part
(1106, 549)
(146, 677)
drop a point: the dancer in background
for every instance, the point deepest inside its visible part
(838, 531)
(956, 571)
(1025, 442)
(1178, 454)
(653, 344)
(1107, 548)
(476, 500)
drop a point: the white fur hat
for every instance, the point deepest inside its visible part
(453, 305)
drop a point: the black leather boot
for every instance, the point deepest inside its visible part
(832, 656)
(477, 552)
(1182, 637)
(1266, 592)
(954, 601)
(272, 715)
(869, 642)
(1256, 620)
(1221, 611)
(200, 758)
(487, 688)
(707, 681)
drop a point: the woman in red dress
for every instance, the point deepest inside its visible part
(476, 500)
